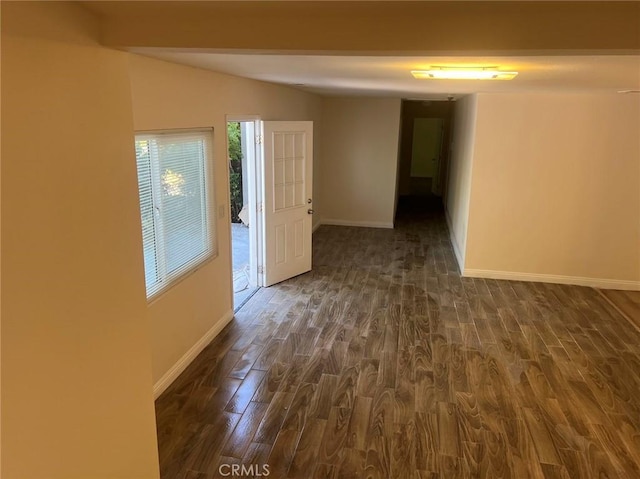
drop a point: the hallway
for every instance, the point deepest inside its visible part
(383, 362)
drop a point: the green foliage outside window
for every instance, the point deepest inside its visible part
(235, 169)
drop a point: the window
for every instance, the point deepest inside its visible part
(174, 204)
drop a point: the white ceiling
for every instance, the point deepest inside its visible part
(390, 75)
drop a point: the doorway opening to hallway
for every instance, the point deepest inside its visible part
(423, 159)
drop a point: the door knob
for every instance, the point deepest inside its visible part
(309, 201)
(310, 211)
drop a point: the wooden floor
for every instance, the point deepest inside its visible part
(384, 363)
(628, 302)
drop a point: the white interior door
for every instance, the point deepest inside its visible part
(287, 198)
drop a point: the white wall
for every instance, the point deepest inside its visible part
(76, 364)
(555, 192)
(166, 96)
(460, 170)
(359, 160)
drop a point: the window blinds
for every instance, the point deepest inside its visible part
(174, 204)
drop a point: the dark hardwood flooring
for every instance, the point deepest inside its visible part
(384, 363)
(627, 302)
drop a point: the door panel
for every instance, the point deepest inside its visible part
(287, 198)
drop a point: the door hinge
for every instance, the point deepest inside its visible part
(259, 139)
(260, 207)
(260, 269)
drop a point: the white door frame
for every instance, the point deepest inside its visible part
(254, 173)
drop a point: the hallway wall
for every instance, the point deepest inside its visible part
(360, 155)
(555, 192)
(460, 169)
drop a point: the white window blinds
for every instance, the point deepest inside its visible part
(174, 204)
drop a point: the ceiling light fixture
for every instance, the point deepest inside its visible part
(463, 73)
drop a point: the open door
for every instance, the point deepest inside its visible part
(287, 199)
(246, 223)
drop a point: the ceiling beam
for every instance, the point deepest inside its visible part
(381, 27)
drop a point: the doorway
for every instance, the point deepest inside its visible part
(245, 223)
(426, 155)
(271, 202)
(423, 158)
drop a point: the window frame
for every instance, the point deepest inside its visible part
(170, 280)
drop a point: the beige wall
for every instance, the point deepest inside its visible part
(77, 392)
(165, 96)
(460, 169)
(359, 160)
(556, 187)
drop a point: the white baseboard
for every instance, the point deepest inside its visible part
(362, 224)
(316, 226)
(554, 278)
(454, 242)
(175, 371)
